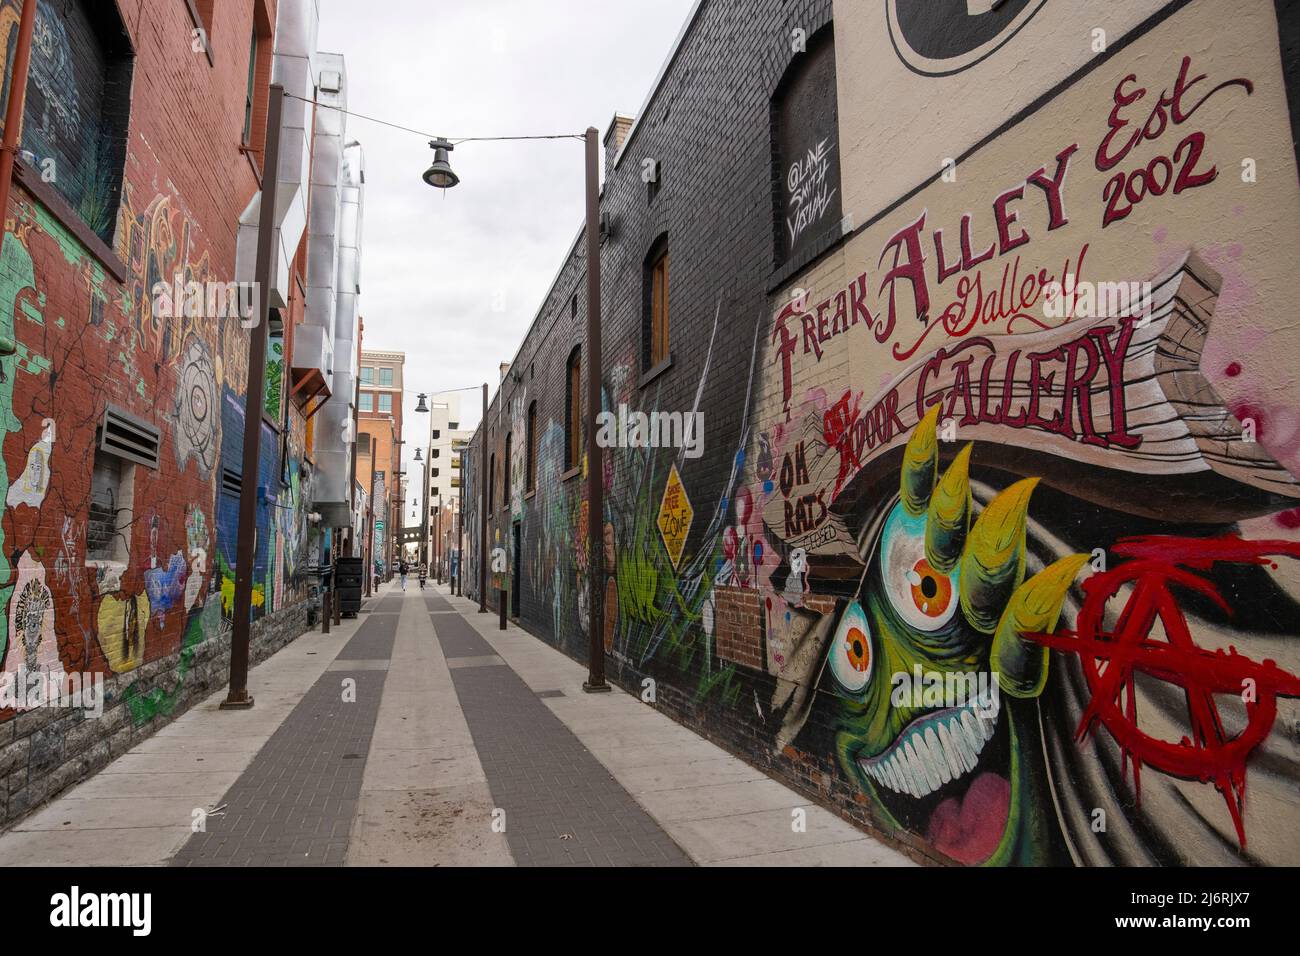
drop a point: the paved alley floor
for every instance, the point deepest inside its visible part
(420, 734)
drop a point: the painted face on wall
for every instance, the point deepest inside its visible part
(921, 656)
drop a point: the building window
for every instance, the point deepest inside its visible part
(505, 472)
(491, 483)
(436, 433)
(435, 453)
(257, 92)
(367, 375)
(530, 462)
(78, 105)
(112, 487)
(573, 306)
(204, 9)
(386, 402)
(806, 164)
(655, 324)
(251, 89)
(367, 402)
(573, 411)
(386, 377)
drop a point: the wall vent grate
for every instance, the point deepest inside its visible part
(129, 437)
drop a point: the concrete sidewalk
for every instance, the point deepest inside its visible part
(452, 725)
(139, 810)
(718, 809)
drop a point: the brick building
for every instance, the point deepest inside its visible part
(834, 230)
(379, 453)
(442, 461)
(127, 261)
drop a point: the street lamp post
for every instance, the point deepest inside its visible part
(595, 682)
(482, 506)
(440, 176)
(238, 697)
(460, 531)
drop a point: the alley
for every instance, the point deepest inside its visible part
(421, 734)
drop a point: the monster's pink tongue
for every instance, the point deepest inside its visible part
(968, 828)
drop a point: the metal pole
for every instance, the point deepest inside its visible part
(352, 473)
(246, 547)
(22, 58)
(595, 682)
(336, 552)
(370, 519)
(484, 478)
(460, 532)
(424, 496)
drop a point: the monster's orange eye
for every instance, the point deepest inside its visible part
(931, 591)
(921, 595)
(857, 650)
(850, 652)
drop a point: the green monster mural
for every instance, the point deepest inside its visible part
(947, 598)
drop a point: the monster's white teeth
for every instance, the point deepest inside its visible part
(933, 751)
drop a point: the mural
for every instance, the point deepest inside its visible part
(997, 547)
(72, 341)
(994, 453)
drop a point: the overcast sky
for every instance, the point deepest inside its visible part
(453, 279)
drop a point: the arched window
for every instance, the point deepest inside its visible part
(573, 410)
(530, 461)
(505, 473)
(805, 141)
(654, 325)
(491, 484)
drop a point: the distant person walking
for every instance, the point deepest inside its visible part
(402, 568)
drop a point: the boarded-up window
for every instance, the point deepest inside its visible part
(78, 103)
(573, 412)
(530, 463)
(109, 524)
(657, 324)
(505, 473)
(807, 162)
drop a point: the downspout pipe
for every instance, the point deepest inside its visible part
(17, 102)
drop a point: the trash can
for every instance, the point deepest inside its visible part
(347, 585)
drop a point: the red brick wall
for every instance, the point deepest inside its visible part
(738, 618)
(83, 340)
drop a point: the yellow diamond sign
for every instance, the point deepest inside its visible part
(675, 514)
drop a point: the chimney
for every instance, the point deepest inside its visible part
(505, 367)
(615, 136)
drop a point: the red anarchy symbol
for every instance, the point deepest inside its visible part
(1110, 659)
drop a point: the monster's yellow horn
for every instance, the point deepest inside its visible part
(920, 464)
(993, 564)
(949, 520)
(1021, 665)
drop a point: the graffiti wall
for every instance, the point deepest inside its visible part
(993, 545)
(112, 563)
(1009, 432)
